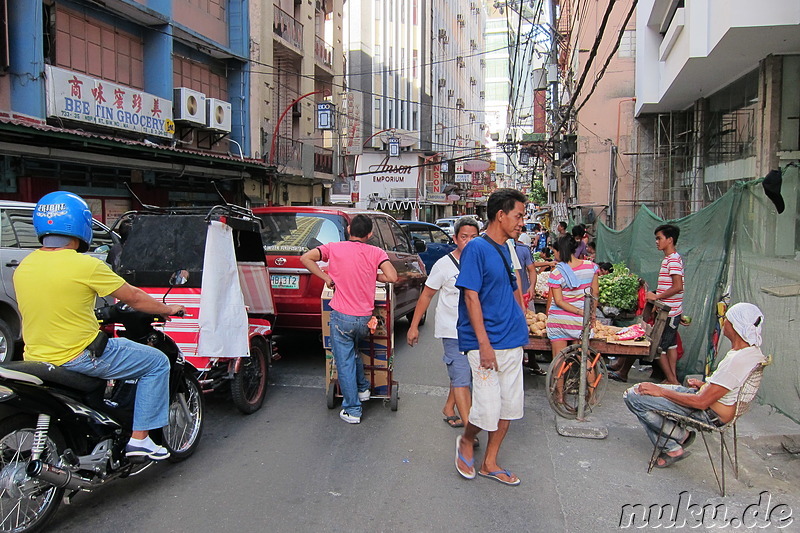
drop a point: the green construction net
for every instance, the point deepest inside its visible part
(704, 245)
(738, 245)
(766, 272)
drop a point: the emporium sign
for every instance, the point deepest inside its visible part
(74, 96)
(378, 173)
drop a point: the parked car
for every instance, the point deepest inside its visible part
(448, 224)
(437, 242)
(17, 240)
(290, 231)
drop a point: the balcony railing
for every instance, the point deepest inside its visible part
(288, 27)
(323, 52)
(289, 152)
(323, 160)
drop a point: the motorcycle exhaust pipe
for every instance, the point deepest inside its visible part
(57, 476)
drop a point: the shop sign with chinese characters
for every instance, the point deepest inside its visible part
(74, 96)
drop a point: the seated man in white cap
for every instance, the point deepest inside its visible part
(712, 402)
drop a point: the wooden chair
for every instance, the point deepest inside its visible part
(747, 394)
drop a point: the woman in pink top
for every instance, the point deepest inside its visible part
(352, 267)
(569, 282)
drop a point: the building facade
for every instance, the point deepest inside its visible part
(297, 63)
(602, 178)
(95, 96)
(165, 96)
(717, 89)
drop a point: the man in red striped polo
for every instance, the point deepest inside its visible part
(670, 292)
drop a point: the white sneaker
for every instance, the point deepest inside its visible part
(350, 419)
(363, 396)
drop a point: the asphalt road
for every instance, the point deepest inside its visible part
(294, 466)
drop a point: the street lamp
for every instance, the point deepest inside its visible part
(271, 168)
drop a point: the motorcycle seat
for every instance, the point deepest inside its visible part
(50, 373)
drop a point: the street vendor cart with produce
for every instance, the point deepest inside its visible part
(619, 297)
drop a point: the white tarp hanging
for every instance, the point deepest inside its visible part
(223, 317)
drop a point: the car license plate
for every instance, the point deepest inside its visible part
(285, 281)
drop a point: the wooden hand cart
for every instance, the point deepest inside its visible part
(376, 351)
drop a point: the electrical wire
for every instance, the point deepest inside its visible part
(610, 55)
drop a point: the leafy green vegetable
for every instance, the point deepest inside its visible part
(620, 289)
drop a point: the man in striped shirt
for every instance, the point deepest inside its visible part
(670, 292)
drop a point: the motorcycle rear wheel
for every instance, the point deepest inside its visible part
(249, 385)
(19, 512)
(186, 415)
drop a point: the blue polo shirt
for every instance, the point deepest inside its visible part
(483, 271)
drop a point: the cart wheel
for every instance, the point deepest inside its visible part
(394, 396)
(563, 381)
(249, 385)
(330, 396)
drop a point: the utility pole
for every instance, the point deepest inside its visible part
(552, 72)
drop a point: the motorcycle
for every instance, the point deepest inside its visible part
(62, 432)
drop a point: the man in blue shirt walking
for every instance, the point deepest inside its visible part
(492, 330)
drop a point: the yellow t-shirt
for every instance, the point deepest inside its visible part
(56, 294)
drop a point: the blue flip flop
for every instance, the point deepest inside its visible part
(494, 475)
(469, 463)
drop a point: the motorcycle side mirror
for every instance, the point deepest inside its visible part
(179, 277)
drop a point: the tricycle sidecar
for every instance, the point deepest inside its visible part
(227, 334)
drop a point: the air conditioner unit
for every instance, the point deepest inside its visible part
(473, 44)
(482, 94)
(189, 106)
(460, 103)
(442, 82)
(460, 61)
(442, 33)
(218, 115)
(473, 81)
(460, 19)
(483, 63)
(451, 93)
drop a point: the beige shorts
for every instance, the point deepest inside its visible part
(496, 394)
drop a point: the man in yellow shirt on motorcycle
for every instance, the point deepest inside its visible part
(57, 287)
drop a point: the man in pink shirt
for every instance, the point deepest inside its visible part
(352, 271)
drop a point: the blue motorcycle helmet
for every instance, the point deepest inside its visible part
(66, 214)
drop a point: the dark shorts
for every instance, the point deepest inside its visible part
(669, 339)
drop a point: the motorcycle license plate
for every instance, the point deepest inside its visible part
(285, 281)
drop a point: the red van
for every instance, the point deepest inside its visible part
(290, 231)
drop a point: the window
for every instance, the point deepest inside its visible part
(98, 49)
(401, 239)
(439, 237)
(423, 235)
(295, 234)
(627, 45)
(382, 228)
(21, 234)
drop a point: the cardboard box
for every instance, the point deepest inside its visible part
(381, 311)
(376, 368)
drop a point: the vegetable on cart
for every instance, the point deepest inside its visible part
(619, 291)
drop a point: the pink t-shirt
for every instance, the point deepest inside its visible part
(353, 267)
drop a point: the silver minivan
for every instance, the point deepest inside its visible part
(18, 239)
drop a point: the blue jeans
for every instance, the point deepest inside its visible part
(346, 332)
(643, 405)
(125, 359)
